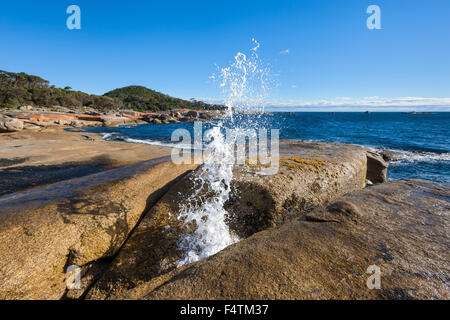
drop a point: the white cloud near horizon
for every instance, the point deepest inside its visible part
(285, 52)
(353, 104)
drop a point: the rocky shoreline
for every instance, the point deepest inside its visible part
(32, 118)
(308, 232)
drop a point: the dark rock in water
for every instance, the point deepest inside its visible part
(389, 155)
(10, 125)
(396, 232)
(376, 167)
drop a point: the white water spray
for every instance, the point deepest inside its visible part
(212, 233)
(243, 83)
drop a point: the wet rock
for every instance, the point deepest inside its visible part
(390, 155)
(10, 125)
(336, 257)
(376, 167)
(77, 222)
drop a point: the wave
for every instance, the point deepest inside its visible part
(117, 137)
(397, 156)
(407, 157)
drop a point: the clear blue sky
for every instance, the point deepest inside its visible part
(173, 46)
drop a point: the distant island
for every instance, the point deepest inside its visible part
(22, 89)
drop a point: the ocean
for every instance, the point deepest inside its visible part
(418, 143)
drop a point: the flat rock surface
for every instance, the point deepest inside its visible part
(29, 159)
(77, 222)
(402, 227)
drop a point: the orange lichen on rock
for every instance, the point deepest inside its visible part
(298, 162)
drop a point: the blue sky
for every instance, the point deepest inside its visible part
(320, 51)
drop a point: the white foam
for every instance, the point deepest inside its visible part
(114, 137)
(404, 157)
(243, 81)
(212, 233)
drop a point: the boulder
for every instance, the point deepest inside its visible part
(187, 119)
(148, 119)
(163, 116)
(203, 115)
(192, 114)
(172, 120)
(310, 174)
(390, 155)
(376, 167)
(78, 222)
(10, 125)
(111, 121)
(396, 232)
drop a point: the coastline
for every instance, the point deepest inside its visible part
(32, 158)
(113, 206)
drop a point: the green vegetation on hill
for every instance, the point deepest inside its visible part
(20, 89)
(141, 99)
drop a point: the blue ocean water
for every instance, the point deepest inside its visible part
(419, 143)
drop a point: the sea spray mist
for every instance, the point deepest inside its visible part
(244, 85)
